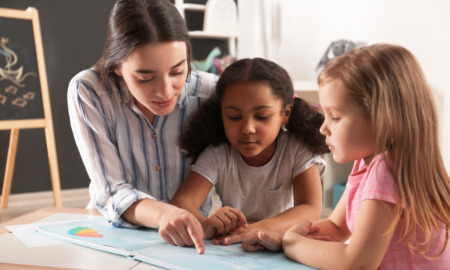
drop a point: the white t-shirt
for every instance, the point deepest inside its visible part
(259, 192)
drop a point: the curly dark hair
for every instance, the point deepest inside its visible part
(205, 126)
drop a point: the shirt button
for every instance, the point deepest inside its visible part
(154, 135)
(158, 168)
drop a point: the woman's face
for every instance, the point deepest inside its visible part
(155, 74)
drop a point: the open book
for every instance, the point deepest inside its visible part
(147, 246)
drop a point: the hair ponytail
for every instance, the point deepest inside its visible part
(304, 123)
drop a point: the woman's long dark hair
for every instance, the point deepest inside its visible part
(206, 126)
(136, 22)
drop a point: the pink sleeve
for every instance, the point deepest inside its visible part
(380, 184)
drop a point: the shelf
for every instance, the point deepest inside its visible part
(305, 86)
(307, 90)
(194, 7)
(203, 34)
(227, 35)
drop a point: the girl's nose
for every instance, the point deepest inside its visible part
(324, 129)
(248, 127)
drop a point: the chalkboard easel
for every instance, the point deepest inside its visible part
(24, 95)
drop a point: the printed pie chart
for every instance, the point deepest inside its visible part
(85, 232)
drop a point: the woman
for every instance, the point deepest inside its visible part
(127, 112)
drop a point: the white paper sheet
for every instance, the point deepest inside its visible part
(28, 235)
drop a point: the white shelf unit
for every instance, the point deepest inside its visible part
(231, 38)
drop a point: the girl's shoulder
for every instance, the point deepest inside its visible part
(381, 163)
(289, 144)
(379, 182)
(221, 154)
(225, 150)
(290, 141)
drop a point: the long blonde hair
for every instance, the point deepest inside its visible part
(389, 83)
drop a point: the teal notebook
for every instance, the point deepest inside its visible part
(147, 246)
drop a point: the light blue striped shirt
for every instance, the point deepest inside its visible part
(126, 157)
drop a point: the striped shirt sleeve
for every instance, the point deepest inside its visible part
(126, 157)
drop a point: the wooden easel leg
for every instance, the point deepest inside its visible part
(53, 163)
(10, 161)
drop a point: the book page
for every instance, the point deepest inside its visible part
(99, 234)
(216, 257)
(147, 246)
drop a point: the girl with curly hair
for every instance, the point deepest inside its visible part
(260, 147)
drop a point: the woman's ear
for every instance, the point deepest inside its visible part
(118, 71)
(287, 114)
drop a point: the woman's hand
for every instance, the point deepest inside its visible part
(223, 221)
(179, 227)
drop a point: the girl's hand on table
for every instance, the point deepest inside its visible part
(223, 221)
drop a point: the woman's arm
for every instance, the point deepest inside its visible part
(111, 187)
(366, 249)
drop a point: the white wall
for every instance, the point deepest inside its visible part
(307, 27)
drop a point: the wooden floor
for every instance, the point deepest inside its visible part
(20, 204)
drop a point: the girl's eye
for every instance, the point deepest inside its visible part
(262, 117)
(234, 118)
(335, 118)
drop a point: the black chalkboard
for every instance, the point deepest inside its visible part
(24, 95)
(20, 90)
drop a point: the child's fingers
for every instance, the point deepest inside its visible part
(227, 219)
(231, 219)
(223, 223)
(302, 228)
(271, 241)
(251, 247)
(239, 238)
(242, 220)
(237, 218)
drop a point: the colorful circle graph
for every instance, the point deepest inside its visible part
(85, 232)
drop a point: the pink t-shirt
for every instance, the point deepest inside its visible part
(377, 183)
